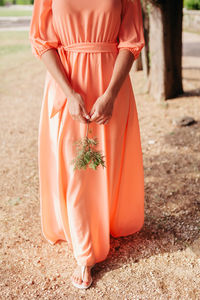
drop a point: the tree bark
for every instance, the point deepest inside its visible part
(137, 65)
(145, 51)
(166, 49)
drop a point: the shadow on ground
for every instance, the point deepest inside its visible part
(172, 199)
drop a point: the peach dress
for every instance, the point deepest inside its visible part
(84, 207)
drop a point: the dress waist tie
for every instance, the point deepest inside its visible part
(90, 47)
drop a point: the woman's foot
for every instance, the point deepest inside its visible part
(77, 276)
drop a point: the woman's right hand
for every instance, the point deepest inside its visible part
(77, 108)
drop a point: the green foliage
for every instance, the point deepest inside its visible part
(86, 155)
(24, 2)
(192, 4)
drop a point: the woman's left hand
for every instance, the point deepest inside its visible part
(102, 109)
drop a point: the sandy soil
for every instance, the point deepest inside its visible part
(162, 261)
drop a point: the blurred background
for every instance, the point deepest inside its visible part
(161, 261)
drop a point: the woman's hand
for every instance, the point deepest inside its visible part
(102, 109)
(77, 108)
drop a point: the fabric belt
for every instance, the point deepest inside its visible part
(90, 47)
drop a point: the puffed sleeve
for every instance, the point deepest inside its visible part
(42, 34)
(131, 35)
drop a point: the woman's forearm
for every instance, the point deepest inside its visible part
(121, 69)
(52, 61)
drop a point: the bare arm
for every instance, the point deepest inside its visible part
(51, 60)
(102, 109)
(54, 65)
(122, 67)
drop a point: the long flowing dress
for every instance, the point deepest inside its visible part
(85, 207)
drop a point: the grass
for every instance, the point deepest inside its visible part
(8, 12)
(191, 31)
(13, 42)
(15, 47)
(14, 13)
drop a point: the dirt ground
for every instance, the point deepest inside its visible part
(162, 261)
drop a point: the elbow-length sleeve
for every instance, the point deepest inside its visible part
(131, 35)
(42, 34)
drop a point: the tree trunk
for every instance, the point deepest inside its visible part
(137, 65)
(166, 49)
(145, 51)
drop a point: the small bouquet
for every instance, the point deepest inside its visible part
(86, 155)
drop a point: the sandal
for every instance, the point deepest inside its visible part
(81, 286)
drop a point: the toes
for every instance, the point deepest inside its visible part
(76, 279)
(79, 280)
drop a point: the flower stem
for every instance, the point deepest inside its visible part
(87, 128)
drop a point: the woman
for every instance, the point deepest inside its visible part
(88, 47)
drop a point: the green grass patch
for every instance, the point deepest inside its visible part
(192, 4)
(19, 2)
(24, 2)
(5, 12)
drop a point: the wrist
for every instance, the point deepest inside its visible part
(112, 93)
